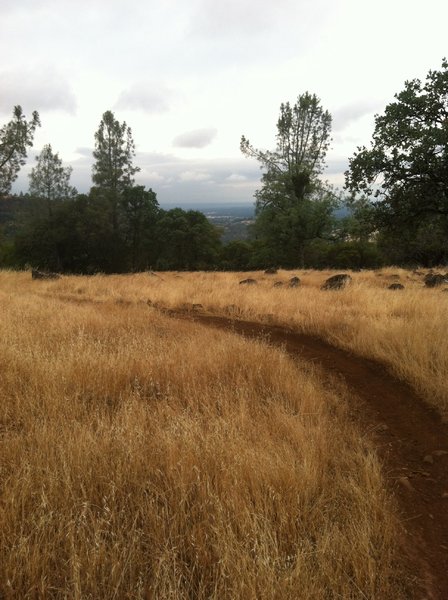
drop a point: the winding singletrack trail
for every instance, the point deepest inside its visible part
(409, 436)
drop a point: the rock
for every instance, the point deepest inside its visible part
(248, 281)
(445, 290)
(394, 276)
(404, 481)
(428, 459)
(278, 284)
(294, 282)
(435, 279)
(35, 274)
(445, 495)
(336, 282)
(440, 452)
(271, 271)
(197, 307)
(396, 286)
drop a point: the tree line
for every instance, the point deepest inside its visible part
(396, 197)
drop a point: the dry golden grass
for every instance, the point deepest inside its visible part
(148, 458)
(405, 329)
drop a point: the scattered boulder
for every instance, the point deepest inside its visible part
(396, 286)
(278, 284)
(404, 481)
(445, 290)
(336, 282)
(294, 282)
(197, 306)
(394, 276)
(35, 274)
(435, 279)
(428, 459)
(248, 281)
(271, 271)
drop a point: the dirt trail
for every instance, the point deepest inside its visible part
(409, 436)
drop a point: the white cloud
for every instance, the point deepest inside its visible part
(186, 176)
(198, 138)
(236, 177)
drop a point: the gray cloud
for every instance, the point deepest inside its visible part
(250, 17)
(147, 97)
(218, 18)
(198, 138)
(349, 113)
(41, 88)
(181, 181)
(84, 152)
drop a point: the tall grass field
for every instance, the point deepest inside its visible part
(145, 456)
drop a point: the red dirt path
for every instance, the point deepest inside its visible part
(404, 429)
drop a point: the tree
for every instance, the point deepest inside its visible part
(186, 240)
(405, 170)
(293, 206)
(15, 137)
(113, 170)
(50, 180)
(140, 208)
(114, 153)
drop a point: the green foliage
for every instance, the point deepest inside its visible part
(236, 256)
(113, 170)
(293, 207)
(140, 211)
(405, 171)
(114, 152)
(186, 241)
(15, 137)
(352, 255)
(49, 179)
(422, 243)
(291, 170)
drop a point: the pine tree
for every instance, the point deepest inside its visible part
(49, 179)
(15, 137)
(113, 169)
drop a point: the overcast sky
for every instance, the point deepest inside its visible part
(191, 76)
